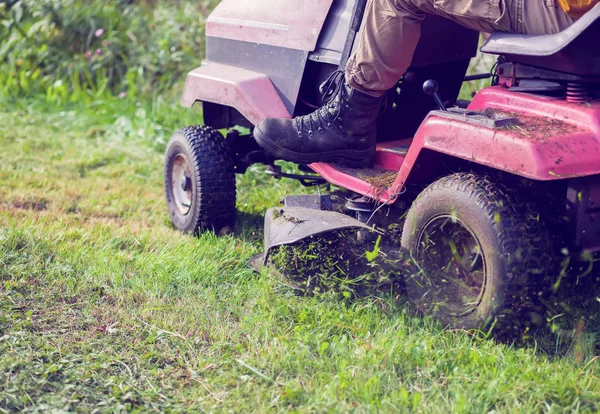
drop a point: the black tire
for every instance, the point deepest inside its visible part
(200, 160)
(493, 281)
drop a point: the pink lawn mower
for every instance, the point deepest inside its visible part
(485, 197)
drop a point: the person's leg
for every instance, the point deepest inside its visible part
(541, 17)
(393, 27)
(392, 31)
(387, 43)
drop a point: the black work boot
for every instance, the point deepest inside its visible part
(342, 131)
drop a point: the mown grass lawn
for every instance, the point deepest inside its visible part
(104, 307)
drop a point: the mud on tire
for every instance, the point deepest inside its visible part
(200, 181)
(481, 255)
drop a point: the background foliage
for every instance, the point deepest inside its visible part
(77, 51)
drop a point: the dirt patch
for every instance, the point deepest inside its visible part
(381, 183)
(380, 179)
(40, 204)
(539, 129)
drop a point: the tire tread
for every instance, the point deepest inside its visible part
(526, 247)
(214, 176)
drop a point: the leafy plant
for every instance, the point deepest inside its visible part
(75, 51)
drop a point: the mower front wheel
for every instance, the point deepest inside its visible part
(480, 254)
(200, 181)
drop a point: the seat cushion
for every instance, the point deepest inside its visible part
(575, 50)
(540, 45)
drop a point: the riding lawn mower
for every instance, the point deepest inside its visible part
(485, 198)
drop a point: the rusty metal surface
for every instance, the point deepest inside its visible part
(285, 23)
(251, 93)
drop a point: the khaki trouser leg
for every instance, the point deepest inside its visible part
(540, 17)
(393, 29)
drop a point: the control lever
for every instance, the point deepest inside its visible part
(430, 87)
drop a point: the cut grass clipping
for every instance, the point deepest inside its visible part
(104, 307)
(338, 263)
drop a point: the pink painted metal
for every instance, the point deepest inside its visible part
(337, 177)
(284, 23)
(555, 140)
(390, 155)
(386, 159)
(251, 93)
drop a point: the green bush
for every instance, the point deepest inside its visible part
(78, 51)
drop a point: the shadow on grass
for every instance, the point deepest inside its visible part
(249, 227)
(572, 320)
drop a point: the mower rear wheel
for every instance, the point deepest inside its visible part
(480, 254)
(200, 181)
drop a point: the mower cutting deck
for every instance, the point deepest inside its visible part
(479, 195)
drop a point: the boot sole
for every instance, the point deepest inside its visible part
(347, 158)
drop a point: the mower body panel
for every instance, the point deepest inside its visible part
(251, 93)
(280, 23)
(283, 66)
(289, 225)
(277, 38)
(333, 37)
(270, 37)
(554, 140)
(389, 161)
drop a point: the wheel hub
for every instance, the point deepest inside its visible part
(181, 178)
(453, 264)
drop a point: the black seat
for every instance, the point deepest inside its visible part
(575, 50)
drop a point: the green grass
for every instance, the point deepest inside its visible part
(104, 307)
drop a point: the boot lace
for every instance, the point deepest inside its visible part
(329, 114)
